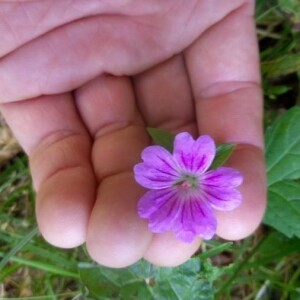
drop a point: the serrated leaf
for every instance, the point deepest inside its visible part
(183, 283)
(106, 283)
(224, 151)
(136, 290)
(283, 211)
(97, 284)
(162, 138)
(145, 281)
(283, 147)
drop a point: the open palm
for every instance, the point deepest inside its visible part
(80, 81)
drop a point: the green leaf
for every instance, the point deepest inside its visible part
(281, 66)
(274, 247)
(283, 211)
(223, 153)
(145, 281)
(183, 282)
(106, 283)
(283, 147)
(162, 138)
(136, 290)
(97, 284)
(272, 91)
(283, 163)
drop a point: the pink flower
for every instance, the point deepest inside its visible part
(183, 192)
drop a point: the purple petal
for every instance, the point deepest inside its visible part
(194, 155)
(158, 171)
(161, 207)
(222, 198)
(196, 219)
(222, 177)
(153, 200)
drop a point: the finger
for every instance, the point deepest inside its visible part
(165, 101)
(164, 96)
(241, 222)
(165, 250)
(117, 237)
(223, 66)
(127, 41)
(20, 22)
(58, 146)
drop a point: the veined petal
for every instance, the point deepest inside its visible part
(196, 219)
(222, 198)
(222, 177)
(194, 156)
(158, 171)
(153, 200)
(163, 213)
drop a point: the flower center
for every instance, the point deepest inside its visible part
(187, 182)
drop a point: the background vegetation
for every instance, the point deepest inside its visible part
(263, 266)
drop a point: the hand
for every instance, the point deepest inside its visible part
(80, 80)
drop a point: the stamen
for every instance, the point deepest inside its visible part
(186, 184)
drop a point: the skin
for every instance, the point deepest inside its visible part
(81, 79)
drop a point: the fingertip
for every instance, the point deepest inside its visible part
(244, 220)
(117, 237)
(167, 251)
(116, 258)
(64, 202)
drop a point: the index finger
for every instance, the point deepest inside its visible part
(223, 66)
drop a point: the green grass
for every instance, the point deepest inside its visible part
(264, 266)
